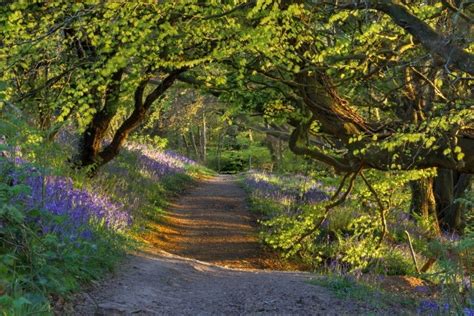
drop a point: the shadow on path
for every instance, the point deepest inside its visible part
(212, 223)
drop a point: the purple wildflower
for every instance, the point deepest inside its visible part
(428, 306)
(157, 163)
(263, 187)
(422, 289)
(74, 208)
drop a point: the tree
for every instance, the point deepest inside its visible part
(380, 85)
(428, 112)
(94, 56)
(365, 84)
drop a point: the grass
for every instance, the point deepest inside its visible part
(348, 240)
(38, 268)
(347, 288)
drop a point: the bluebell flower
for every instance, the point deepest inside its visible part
(428, 306)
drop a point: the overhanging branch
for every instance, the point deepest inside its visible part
(434, 42)
(337, 163)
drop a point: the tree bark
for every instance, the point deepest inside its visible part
(219, 149)
(436, 197)
(195, 147)
(186, 145)
(138, 115)
(274, 146)
(448, 187)
(93, 137)
(92, 152)
(423, 200)
(204, 138)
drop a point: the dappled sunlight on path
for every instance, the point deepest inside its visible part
(212, 223)
(205, 259)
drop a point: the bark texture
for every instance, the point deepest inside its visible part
(92, 151)
(423, 199)
(448, 187)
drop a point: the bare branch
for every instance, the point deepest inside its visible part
(332, 205)
(381, 207)
(338, 163)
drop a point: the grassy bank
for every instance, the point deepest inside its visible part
(59, 228)
(346, 242)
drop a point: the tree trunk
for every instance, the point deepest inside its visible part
(423, 202)
(437, 196)
(186, 145)
(91, 140)
(195, 147)
(280, 154)
(91, 144)
(219, 149)
(204, 138)
(448, 187)
(273, 148)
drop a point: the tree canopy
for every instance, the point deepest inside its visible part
(353, 84)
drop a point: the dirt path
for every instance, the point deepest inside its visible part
(211, 224)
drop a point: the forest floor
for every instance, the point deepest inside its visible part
(205, 258)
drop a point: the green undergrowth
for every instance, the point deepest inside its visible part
(148, 197)
(348, 242)
(347, 288)
(38, 267)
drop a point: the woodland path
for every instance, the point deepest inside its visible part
(205, 259)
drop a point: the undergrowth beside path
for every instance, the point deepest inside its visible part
(214, 264)
(60, 229)
(346, 243)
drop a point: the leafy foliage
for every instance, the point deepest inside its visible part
(378, 91)
(59, 231)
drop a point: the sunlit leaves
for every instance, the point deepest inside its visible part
(95, 39)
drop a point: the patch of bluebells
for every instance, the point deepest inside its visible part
(79, 205)
(157, 163)
(73, 208)
(263, 187)
(468, 311)
(431, 307)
